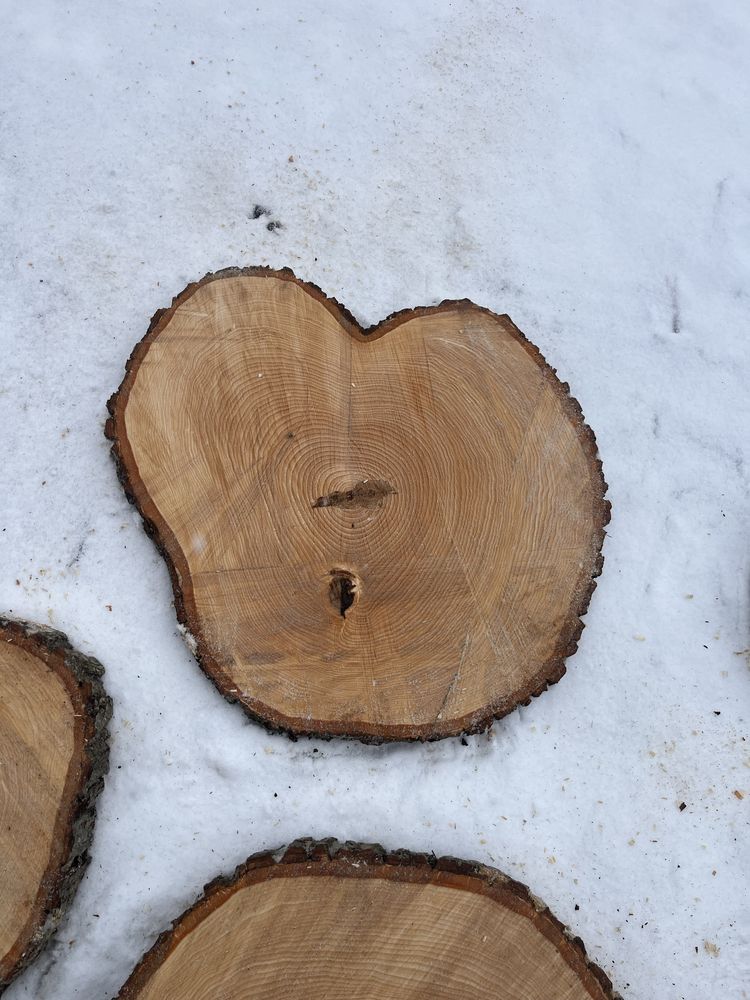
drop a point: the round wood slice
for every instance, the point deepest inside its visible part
(389, 534)
(326, 921)
(53, 758)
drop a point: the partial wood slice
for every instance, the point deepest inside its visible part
(389, 534)
(53, 758)
(328, 921)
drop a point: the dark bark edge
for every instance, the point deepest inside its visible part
(74, 831)
(476, 722)
(332, 857)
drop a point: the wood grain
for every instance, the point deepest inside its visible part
(53, 758)
(387, 534)
(326, 921)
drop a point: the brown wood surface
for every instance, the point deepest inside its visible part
(53, 758)
(329, 921)
(389, 534)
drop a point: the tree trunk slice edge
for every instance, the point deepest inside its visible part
(80, 676)
(159, 530)
(309, 858)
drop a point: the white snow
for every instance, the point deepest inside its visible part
(188, 638)
(582, 167)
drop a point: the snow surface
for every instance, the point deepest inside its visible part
(581, 166)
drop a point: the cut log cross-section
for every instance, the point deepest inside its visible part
(53, 758)
(389, 534)
(323, 921)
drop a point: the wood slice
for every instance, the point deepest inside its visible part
(53, 758)
(325, 921)
(389, 534)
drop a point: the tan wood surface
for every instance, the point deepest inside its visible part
(53, 715)
(389, 535)
(322, 924)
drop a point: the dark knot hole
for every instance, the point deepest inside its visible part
(342, 590)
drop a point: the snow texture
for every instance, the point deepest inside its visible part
(582, 167)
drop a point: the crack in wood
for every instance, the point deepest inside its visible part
(454, 680)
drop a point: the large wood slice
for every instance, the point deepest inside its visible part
(387, 534)
(323, 921)
(53, 758)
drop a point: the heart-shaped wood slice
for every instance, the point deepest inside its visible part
(389, 534)
(326, 921)
(53, 758)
